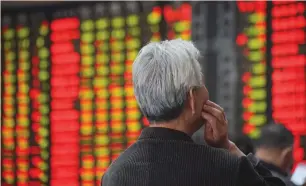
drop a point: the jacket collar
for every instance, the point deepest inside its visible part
(274, 168)
(164, 134)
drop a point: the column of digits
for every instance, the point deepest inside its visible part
(133, 44)
(86, 96)
(116, 89)
(40, 102)
(288, 63)
(23, 101)
(8, 103)
(64, 118)
(253, 41)
(154, 20)
(102, 150)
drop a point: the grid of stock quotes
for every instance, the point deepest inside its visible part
(25, 124)
(288, 61)
(68, 106)
(68, 102)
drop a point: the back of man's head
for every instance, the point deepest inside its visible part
(274, 146)
(275, 136)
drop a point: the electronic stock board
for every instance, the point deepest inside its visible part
(68, 108)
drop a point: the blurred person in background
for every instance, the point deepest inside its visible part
(170, 92)
(274, 149)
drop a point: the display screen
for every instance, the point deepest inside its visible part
(252, 41)
(288, 53)
(67, 100)
(95, 95)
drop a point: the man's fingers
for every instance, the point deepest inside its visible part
(214, 105)
(208, 132)
(211, 120)
(216, 124)
(215, 112)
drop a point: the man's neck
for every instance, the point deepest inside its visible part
(175, 125)
(269, 157)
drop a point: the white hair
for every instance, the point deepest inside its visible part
(163, 73)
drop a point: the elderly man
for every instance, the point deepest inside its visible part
(169, 89)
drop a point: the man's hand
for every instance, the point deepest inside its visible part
(216, 132)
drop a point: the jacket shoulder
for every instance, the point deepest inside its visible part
(220, 155)
(218, 163)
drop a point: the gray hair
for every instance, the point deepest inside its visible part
(163, 73)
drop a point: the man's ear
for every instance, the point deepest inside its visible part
(286, 156)
(192, 100)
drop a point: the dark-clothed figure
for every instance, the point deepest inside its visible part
(274, 149)
(169, 89)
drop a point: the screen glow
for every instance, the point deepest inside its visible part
(253, 41)
(288, 63)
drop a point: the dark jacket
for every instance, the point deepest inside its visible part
(277, 172)
(165, 157)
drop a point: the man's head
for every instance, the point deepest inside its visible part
(168, 84)
(275, 146)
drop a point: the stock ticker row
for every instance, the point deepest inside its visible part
(68, 108)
